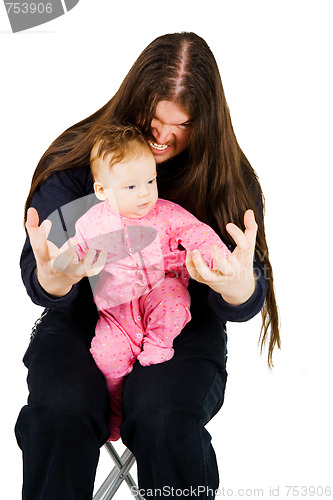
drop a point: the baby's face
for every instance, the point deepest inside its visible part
(129, 186)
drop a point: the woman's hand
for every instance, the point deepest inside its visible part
(58, 271)
(232, 276)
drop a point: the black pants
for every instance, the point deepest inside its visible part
(166, 406)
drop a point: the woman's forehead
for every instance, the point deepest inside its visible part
(171, 113)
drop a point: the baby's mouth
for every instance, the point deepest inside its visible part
(158, 147)
(144, 204)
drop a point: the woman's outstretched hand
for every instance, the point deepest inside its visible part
(58, 271)
(232, 276)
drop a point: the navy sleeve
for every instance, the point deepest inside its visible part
(244, 312)
(250, 308)
(62, 189)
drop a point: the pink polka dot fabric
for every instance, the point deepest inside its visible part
(141, 294)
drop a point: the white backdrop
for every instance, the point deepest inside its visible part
(275, 429)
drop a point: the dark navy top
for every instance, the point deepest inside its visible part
(63, 198)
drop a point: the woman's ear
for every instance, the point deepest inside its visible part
(99, 191)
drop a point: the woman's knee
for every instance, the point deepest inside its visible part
(67, 392)
(71, 413)
(172, 406)
(158, 418)
(161, 427)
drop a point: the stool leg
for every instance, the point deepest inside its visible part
(100, 495)
(119, 474)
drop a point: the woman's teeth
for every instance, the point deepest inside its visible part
(159, 147)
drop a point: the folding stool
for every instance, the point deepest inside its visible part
(118, 474)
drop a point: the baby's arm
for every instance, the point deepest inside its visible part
(78, 243)
(201, 237)
(75, 250)
(193, 234)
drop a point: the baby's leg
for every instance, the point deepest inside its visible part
(166, 310)
(114, 354)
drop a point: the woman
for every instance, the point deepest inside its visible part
(174, 93)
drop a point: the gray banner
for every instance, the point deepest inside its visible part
(70, 4)
(27, 14)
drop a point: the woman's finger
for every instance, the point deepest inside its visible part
(38, 235)
(190, 265)
(32, 218)
(199, 269)
(64, 260)
(244, 240)
(92, 263)
(238, 236)
(201, 265)
(251, 227)
(88, 259)
(221, 262)
(98, 265)
(46, 226)
(68, 262)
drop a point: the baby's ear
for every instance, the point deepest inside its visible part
(99, 191)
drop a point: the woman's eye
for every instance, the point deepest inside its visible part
(185, 125)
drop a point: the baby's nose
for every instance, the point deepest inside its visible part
(143, 191)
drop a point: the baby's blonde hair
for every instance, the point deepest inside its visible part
(116, 141)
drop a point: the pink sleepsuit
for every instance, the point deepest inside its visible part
(141, 294)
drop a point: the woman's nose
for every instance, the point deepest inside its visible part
(162, 133)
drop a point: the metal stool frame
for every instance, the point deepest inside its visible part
(118, 474)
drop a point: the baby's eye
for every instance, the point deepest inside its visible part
(130, 187)
(151, 181)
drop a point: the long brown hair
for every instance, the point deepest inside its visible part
(218, 184)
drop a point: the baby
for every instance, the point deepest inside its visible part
(141, 294)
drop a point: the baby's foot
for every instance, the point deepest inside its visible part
(115, 423)
(115, 435)
(153, 355)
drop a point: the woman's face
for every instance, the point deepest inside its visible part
(171, 128)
